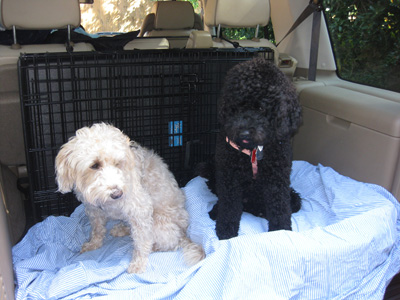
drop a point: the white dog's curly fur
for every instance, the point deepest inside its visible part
(116, 178)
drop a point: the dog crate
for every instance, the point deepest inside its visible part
(164, 99)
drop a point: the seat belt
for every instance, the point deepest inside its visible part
(315, 33)
(315, 8)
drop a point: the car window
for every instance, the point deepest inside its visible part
(366, 40)
(111, 16)
(249, 33)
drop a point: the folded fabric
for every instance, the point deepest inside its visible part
(345, 244)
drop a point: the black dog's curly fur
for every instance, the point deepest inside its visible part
(259, 106)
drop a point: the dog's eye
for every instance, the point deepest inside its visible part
(95, 166)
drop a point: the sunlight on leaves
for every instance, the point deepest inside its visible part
(117, 15)
(114, 15)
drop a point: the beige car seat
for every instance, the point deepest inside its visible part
(174, 20)
(27, 15)
(238, 14)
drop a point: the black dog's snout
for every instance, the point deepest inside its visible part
(116, 194)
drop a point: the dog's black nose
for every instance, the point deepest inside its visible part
(116, 194)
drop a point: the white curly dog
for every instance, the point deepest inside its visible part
(115, 178)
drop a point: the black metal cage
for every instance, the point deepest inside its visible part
(164, 99)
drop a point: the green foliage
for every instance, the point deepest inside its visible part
(365, 36)
(241, 33)
(366, 40)
(248, 33)
(195, 3)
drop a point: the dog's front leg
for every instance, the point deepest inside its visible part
(228, 221)
(277, 197)
(141, 223)
(272, 184)
(281, 218)
(98, 223)
(229, 206)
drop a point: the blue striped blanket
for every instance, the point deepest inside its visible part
(345, 244)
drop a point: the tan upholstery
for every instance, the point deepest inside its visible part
(147, 43)
(13, 204)
(40, 14)
(12, 227)
(199, 39)
(147, 26)
(12, 149)
(173, 15)
(237, 13)
(9, 55)
(174, 20)
(25, 15)
(354, 132)
(6, 267)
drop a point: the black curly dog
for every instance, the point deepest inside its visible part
(259, 113)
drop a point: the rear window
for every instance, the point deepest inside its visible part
(366, 40)
(112, 16)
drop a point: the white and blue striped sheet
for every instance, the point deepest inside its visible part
(345, 244)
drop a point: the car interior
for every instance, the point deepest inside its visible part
(350, 127)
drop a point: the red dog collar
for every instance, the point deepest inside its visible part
(255, 155)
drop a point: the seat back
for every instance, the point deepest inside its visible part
(174, 20)
(40, 14)
(238, 14)
(27, 15)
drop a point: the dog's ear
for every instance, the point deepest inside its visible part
(64, 171)
(288, 115)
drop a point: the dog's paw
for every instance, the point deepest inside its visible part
(214, 212)
(282, 225)
(137, 266)
(89, 246)
(295, 201)
(120, 230)
(227, 231)
(225, 236)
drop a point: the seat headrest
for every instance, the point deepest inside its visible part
(173, 15)
(39, 14)
(237, 13)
